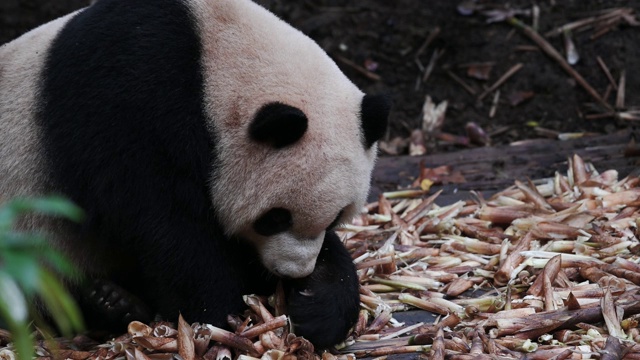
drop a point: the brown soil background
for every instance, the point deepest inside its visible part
(389, 34)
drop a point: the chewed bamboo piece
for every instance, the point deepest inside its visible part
(544, 269)
(526, 268)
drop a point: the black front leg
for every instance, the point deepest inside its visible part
(324, 305)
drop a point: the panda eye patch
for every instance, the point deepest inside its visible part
(337, 220)
(273, 222)
(278, 125)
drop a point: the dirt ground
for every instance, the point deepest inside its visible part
(389, 35)
(380, 46)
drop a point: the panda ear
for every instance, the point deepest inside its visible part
(374, 117)
(278, 125)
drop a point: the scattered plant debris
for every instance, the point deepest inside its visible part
(545, 268)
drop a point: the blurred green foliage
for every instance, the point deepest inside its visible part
(30, 272)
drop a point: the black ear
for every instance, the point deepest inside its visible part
(375, 113)
(278, 125)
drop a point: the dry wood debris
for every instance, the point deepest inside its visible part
(472, 77)
(543, 269)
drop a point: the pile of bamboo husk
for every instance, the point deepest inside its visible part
(544, 269)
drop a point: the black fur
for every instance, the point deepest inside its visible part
(374, 117)
(274, 221)
(113, 303)
(324, 305)
(278, 125)
(126, 138)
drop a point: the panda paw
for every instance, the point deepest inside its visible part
(110, 307)
(324, 305)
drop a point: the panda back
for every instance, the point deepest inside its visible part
(104, 106)
(21, 154)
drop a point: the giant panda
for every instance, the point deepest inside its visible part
(213, 147)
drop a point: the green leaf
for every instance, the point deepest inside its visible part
(29, 268)
(34, 245)
(52, 206)
(13, 309)
(12, 297)
(24, 268)
(59, 263)
(58, 206)
(62, 307)
(12, 240)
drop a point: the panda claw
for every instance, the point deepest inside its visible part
(108, 306)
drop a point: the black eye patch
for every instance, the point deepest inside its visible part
(337, 220)
(278, 125)
(273, 222)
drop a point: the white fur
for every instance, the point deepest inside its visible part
(252, 58)
(21, 153)
(21, 160)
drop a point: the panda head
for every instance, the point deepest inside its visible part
(320, 182)
(295, 139)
